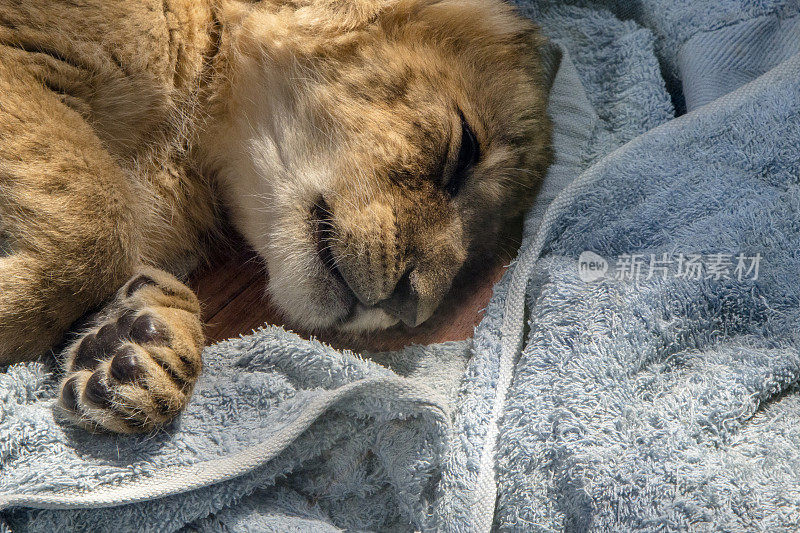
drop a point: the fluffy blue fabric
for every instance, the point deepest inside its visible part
(256, 421)
(666, 403)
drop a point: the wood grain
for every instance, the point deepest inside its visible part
(232, 290)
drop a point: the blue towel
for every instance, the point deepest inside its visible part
(256, 419)
(482, 469)
(620, 403)
(668, 403)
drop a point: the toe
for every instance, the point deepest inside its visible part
(88, 354)
(125, 321)
(145, 330)
(96, 390)
(125, 367)
(109, 337)
(69, 394)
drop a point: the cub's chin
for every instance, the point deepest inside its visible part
(365, 319)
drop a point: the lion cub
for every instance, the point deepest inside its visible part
(367, 149)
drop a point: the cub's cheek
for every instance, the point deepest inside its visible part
(306, 301)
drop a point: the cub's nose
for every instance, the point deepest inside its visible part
(369, 253)
(404, 303)
(369, 263)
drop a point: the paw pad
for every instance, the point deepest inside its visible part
(109, 336)
(97, 392)
(125, 320)
(125, 367)
(145, 330)
(97, 347)
(69, 394)
(88, 354)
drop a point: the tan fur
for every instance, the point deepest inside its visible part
(327, 128)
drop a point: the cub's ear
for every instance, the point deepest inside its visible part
(341, 15)
(544, 56)
(324, 15)
(277, 28)
(301, 22)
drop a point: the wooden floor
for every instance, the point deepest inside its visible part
(232, 292)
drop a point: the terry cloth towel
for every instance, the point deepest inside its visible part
(613, 402)
(671, 402)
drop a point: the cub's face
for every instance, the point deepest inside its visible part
(370, 149)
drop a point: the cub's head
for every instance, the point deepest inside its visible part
(370, 148)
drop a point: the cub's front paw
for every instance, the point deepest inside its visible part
(136, 368)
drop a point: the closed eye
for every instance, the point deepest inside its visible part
(468, 155)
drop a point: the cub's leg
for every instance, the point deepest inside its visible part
(71, 243)
(65, 217)
(134, 368)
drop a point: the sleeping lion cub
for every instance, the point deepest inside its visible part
(367, 149)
